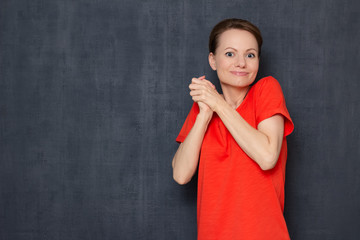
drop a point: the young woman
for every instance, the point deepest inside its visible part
(237, 140)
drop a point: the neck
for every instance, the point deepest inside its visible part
(234, 96)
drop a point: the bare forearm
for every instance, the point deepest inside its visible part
(255, 143)
(186, 158)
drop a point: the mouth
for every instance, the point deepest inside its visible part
(239, 73)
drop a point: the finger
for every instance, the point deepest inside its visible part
(196, 92)
(195, 83)
(198, 99)
(202, 85)
(209, 83)
(212, 85)
(193, 86)
(199, 81)
(202, 81)
(203, 88)
(199, 78)
(196, 80)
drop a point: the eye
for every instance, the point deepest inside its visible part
(250, 55)
(229, 54)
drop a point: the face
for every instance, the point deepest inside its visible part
(236, 59)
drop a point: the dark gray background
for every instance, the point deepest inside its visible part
(93, 94)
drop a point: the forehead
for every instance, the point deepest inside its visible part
(238, 39)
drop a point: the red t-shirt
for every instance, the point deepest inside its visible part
(236, 198)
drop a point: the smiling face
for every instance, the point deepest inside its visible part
(236, 58)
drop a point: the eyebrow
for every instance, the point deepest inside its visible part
(246, 49)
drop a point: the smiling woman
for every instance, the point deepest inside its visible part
(237, 141)
(236, 61)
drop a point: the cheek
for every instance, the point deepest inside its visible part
(255, 66)
(222, 64)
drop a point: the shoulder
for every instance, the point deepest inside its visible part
(267, 85)
(270, 100)
(268, 81)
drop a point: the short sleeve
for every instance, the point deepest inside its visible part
(270, 101)
(189, 123)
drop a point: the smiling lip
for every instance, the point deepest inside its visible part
(239, 73)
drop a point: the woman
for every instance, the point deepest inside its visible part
(237, 141)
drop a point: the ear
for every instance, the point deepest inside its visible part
(212, 61)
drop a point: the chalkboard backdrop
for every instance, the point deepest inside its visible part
(93, 94)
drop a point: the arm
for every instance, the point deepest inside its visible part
(186, 157)
(263, 144)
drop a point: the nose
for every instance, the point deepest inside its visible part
(240, 62)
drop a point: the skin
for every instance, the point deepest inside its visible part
(236, 61)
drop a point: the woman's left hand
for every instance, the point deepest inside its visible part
(204, 91)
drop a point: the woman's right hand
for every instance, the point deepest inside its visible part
(204, 108)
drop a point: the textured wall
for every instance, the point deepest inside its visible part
(93, 94)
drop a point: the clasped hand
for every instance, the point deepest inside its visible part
(204, 93)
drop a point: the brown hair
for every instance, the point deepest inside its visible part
(233, 23)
